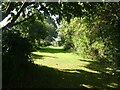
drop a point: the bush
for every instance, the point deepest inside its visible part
(16, 52)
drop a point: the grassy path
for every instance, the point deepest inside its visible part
(56, 57)
(64, 69)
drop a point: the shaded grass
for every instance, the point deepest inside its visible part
(36, 76)
(59, 60)
(50, 49)
(35, 56)
(92, 73)
(62, 70)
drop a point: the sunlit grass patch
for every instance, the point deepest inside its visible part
(87, 86)
(113, 85)
(61, 60)
(72, 68)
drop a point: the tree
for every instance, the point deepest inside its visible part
(29, 9)
(90, 29)
(95, 34)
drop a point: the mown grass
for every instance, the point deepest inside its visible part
(56, 57)
(55, 68)
(73, 70)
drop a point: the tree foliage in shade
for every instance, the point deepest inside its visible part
(107, 25)
(96, 34)
(16, 54)
(89, 29)
(64, 9)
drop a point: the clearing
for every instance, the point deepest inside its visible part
(64, 69)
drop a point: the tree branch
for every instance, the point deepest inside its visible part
(23, 20)
(9, 9)
(18, 14)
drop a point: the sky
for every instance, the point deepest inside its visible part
(55, 18)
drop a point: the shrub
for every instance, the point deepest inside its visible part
(16, 53)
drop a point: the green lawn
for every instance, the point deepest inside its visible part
(64, 69)
(55, 68)
(56, 57)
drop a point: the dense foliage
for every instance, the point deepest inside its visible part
(89, 29)
(16, 53)
(96, 36)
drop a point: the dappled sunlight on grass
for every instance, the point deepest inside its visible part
(70, 70)
(62, 61)
(113, 85)
(81, 68)
(87, 86)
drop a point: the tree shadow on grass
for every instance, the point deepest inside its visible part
(107, 73)
(51, 50)
(85, 60)
(35, 76)
(101, 66)
(36, 56)
(96, 65)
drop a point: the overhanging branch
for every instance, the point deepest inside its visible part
(23, 20)
(18, 14)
